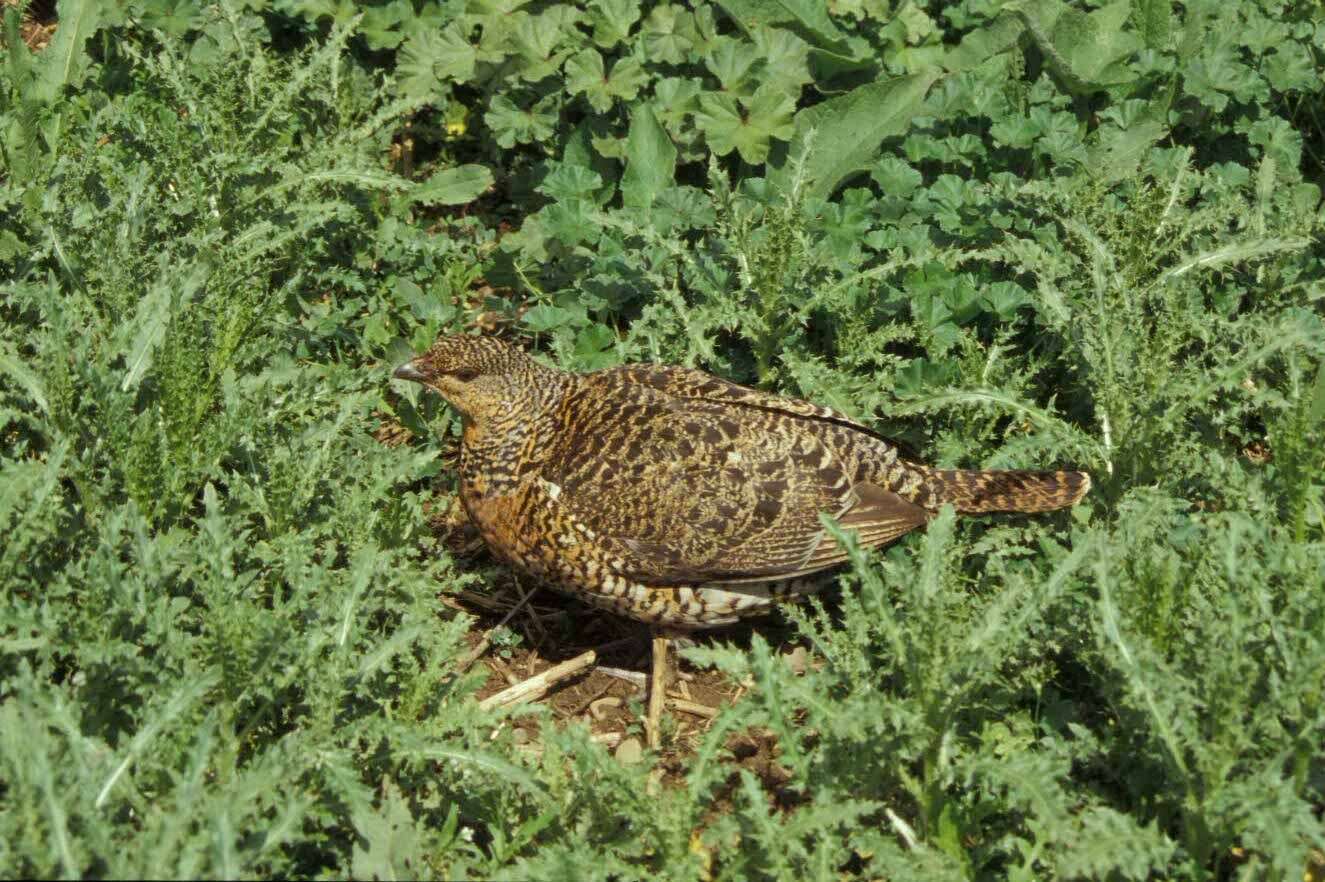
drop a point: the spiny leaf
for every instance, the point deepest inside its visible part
(64, 61)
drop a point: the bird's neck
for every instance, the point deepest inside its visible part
(503, 446)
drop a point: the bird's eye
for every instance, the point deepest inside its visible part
(464, 375)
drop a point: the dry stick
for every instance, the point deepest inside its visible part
(690, 707)
(533, 614)
(483, 644)
(500, 667)
(634, 678)
(657, 691)
(537, 686)
(483, 600)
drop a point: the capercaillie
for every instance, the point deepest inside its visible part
(674, 497)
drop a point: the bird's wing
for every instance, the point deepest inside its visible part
(685, 491)
(691, 383)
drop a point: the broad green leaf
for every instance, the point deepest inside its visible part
(431, 59)
(566, 182)
(64, 61)
(513, 125)
(980, 45)
(842, 136)
(674, 99)
(453, 186)
(544, 41)
(612, 20)
(895, 177)
(733, 62)
(391, 837)
(1086, 50)
(747, 129)
(380, 26)
(1291, 67)
(1120, 152)
(545, 317)
(585, 75)
(808, 19)
(1154, 22)
(650, 160)
(595, 348)
(669, 34)
(786, 58)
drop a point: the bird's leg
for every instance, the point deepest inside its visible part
(657, 686)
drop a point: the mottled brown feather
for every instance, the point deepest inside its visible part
(672, 496)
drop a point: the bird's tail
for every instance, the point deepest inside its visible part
(975, 492)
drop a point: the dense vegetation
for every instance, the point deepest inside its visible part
(1010, 232)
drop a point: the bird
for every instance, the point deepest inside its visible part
(674, 497)
(671, 496)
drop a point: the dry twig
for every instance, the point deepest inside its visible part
(537, 686)
(690, 707)
(483, 644)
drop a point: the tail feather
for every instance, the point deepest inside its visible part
(977, 492)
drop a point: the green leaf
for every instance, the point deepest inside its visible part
(431, 59)
(453, 186)
(391, 836)
(980, 45)
(1291, 68)
(1087, 50)
(1120, 152)
(895, 177)
(543, 318)
(728, 126)
(786, 57)
(842, 136)
(650, 160)
(515, 125)
(538, 38)
(808, 19)
(1154, 22)
(585, 75)
(612, 20)
(1005, 298)
(28, 380)
(733, 63)
(669, 34)
(595, 348)
(674, 99)
(380, 26)
(64, 61)
(1316, 411)
(567, 182)
(151, 319)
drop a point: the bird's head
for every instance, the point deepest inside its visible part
(481, 377)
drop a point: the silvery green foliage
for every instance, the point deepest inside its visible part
(1014, 234)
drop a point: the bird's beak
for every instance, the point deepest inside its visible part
(410, 371)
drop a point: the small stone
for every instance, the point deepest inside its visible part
(630, 751)
(798, 660)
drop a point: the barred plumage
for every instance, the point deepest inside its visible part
(675, 497)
